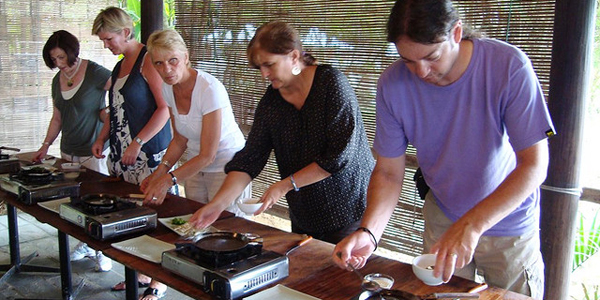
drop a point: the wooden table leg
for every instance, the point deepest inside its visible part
(131, 284)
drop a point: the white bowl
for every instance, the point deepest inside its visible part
(384, 281)
(70, 167)
(422, 267)
(249, 205)
(71, 175)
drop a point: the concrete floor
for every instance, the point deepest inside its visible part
(35, 236)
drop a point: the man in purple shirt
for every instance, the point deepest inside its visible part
(474, 110)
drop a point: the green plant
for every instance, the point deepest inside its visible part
(588, 296)
(169, 16)
(587, 240)
(133, 8)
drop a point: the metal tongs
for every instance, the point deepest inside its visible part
(471, 294)
(391, 294)
(190, 233)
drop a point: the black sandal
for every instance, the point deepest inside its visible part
(154, 292)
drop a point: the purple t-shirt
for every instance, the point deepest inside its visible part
(466, 133)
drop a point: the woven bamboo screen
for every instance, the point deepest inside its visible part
(349, 35)
(25, 100)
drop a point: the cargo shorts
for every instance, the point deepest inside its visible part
(509, 262)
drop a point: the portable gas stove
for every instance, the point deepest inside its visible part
(104, 216)
(8, 164)
(237, 270)
(37, 184)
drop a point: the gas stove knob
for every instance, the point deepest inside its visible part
(215, 286)
(94, 229)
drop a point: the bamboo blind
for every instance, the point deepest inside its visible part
(25, 25)
(349, 35)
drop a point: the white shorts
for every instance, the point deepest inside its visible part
(97, 164)
(203, 186)
(509, 262)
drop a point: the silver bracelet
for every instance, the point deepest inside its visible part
(166, 163)
(296, 188)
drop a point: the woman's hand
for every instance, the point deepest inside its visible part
(207, 215)
(98, 149)
(157, 190)
(40, 154)
(273, 194)
(131, 154)
(147, 181)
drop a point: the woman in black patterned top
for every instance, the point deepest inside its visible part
(309, 117)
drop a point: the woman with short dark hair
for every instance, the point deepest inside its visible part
(78, 98)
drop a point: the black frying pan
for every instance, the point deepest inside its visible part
(216, 249)
(223, 242)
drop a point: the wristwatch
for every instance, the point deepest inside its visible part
(139, 141)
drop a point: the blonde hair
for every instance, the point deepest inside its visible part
(113, 19)
(167, 40)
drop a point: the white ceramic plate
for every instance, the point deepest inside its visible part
(54, 205)
(145, 247)
(168, 222)
(279, 292)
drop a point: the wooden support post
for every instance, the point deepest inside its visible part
(151, 17)
(571, 61)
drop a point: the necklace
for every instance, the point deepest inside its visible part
(70, 78)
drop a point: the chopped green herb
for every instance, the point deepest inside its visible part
(178, 221)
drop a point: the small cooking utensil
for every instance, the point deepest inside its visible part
(110, 179)
(451, 296)
(366, 285)
(81, 162)
(385, 281)
(481, 287)
(9, 148)
(305, 240)
(4, 155)
(299, 237)
(471, 294)
(404, 295)
(135, 198)
(387, 295)
(190, 233)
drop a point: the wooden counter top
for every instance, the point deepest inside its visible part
(311, 269)
(313, 272)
